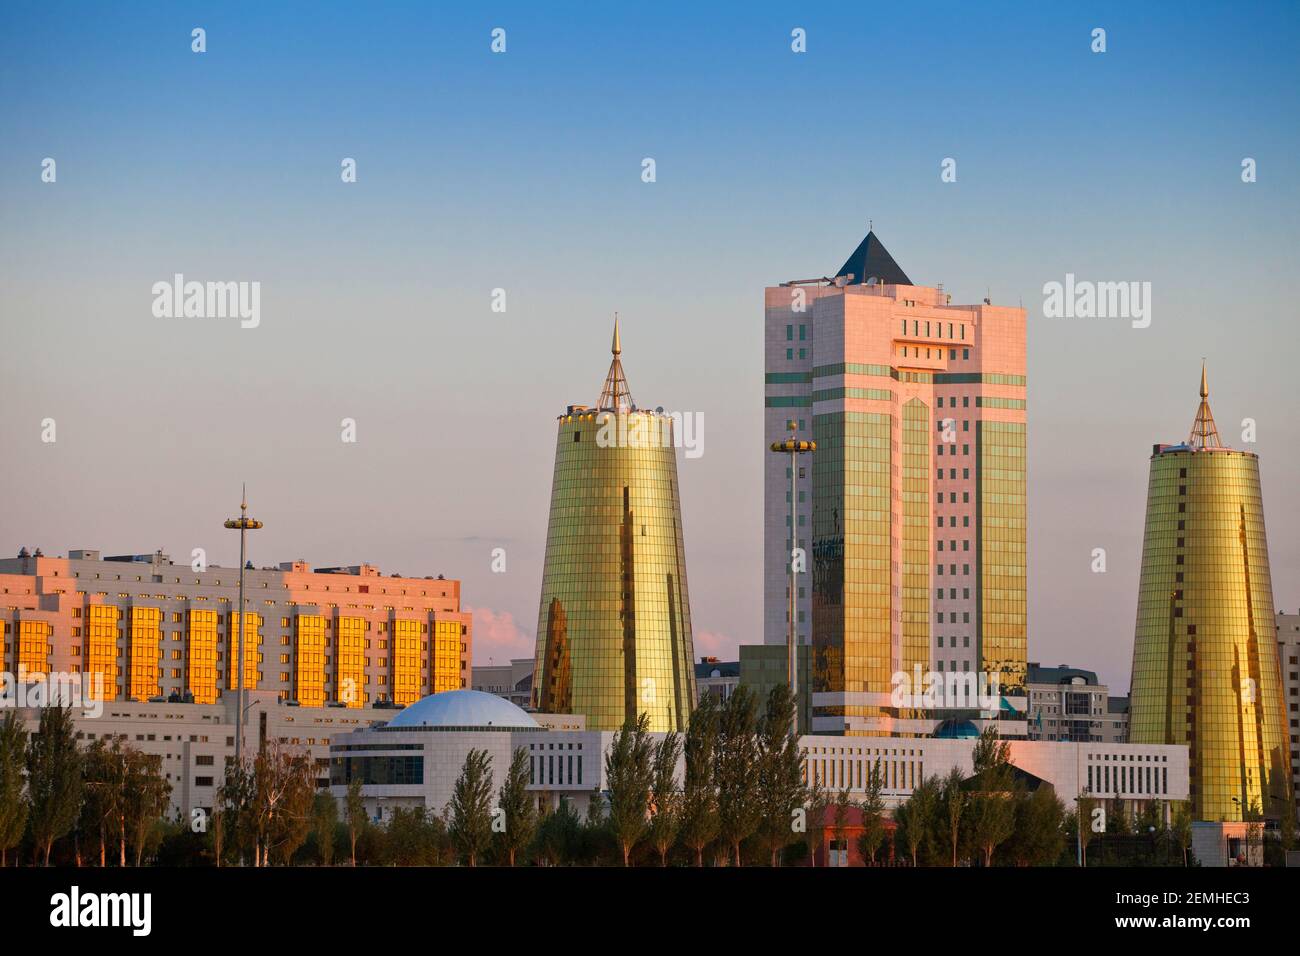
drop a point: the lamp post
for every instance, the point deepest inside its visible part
(794, 448)
(245, 524)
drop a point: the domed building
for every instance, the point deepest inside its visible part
(413, 759)
(463, 710)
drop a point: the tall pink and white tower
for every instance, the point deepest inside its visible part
(912, 511)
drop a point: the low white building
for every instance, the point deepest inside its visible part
(415, 759)
(194, 741)
(1134, 773)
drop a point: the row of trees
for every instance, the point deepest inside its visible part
(742, 798)
(107, 799)
(108, 802)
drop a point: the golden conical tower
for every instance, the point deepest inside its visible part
(614, 619)
(1205, 661)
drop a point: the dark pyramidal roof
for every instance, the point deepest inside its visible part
(872, 260)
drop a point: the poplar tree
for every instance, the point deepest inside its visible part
(54, 780)
(953, 807)
(699, 818)
(780, 771)
(325, 823)
(873, 816)
(739, 810)
(13, 801)
(471, 806)
(516, 804)
(629, 773)
(665, 798)
(917, 816)
(356, 815)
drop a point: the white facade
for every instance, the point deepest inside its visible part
(194, 741)
(1130, 772)
(570, 764)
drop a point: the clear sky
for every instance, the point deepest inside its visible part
(522, 171)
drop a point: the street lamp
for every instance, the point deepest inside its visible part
(794, 448)
(245, 524)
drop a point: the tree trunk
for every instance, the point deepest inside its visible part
(699, 856)
(49, 843)
(625, 849)
(353, 834)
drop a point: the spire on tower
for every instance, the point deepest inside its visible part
(1204, 433)
(615, 396)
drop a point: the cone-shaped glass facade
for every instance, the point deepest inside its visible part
(614, 622)
(1205, 661)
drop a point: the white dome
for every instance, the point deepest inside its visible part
(464, 708)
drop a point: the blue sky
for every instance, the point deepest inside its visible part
(522, 171)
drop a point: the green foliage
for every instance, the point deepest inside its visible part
(780, 772)
(13, 800)
(918, 817)
(54, 781)
(665, 799)
(414, 837)
(559, 839)
(818, 802)
(596, 843)
(282, 786)
(873, 816)
(739, 809)
(146, 798)
(991, 808)
(952, 810)
(470, 808)
(519, 816)
(629, 773)
(991, 757)
(357, 820)
(324, 825)
(699, 814)
(1038, 831)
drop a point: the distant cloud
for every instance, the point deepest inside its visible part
(497, 636)
(713, 644)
